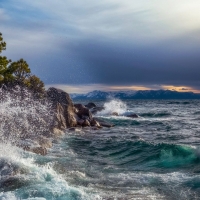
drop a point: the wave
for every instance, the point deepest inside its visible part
(161, 156)
(173, 185)
(140, 166)
(22, 176)
(114, 106)
(28, 180)
(179, 102)
(141, 155)
(119, 107)
(153, 114)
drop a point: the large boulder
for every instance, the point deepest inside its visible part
(83, 112)
(64, 115)
(68, 115)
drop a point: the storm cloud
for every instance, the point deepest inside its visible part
(108, 42)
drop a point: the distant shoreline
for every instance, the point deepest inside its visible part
(136, 95)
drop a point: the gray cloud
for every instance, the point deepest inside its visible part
(115, 62)
(108, 42)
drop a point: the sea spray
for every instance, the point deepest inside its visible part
(22, 116)
(114, 105)
(20, 174)
(22, 119)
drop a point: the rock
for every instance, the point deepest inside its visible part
(63, 108)
(97, 109)
(39, 150)
(104, 124)
(132, 116)
(115, 114)
(95, 123)
(44, 142)
(83, 111)
(57, 132)
(90, 105)
(80, 122)
(59, 118)
(86, 123)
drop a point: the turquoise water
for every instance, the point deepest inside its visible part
(156, 156)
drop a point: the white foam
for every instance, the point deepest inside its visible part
(44, 178)
(114, 106)
(21, 115)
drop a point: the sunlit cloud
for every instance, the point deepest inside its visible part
(180, 88)
(135, 88)
(82, 89)
(90, 87)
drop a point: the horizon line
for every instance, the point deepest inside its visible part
(84, 89)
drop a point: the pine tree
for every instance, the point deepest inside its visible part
(18, 73)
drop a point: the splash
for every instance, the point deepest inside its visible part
(23, 178)
(22, 116)
(114, 106)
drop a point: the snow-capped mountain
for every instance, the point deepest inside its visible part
(141, 94)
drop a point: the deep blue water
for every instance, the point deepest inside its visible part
(155, 156)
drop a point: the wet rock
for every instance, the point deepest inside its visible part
(115, 114)
(57, 132)
(39, 150)
(44, 142)
(86, 123)
(104, 123)
(74, 129)
(97, 109)
(64, 115)
(91, 105)
(83, 111)
(59, 119)
(132, 116)
(95, 123)
(80, 122)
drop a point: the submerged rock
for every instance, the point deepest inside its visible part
(132, 116)
(104, 123)
(91, 105)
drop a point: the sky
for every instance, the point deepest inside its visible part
(110, 45)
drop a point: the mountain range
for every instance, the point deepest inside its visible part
(141, 94)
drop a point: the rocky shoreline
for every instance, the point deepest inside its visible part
(67, 116)
(34, 124)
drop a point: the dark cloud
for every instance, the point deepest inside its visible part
(112, 43)
(117, 62)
